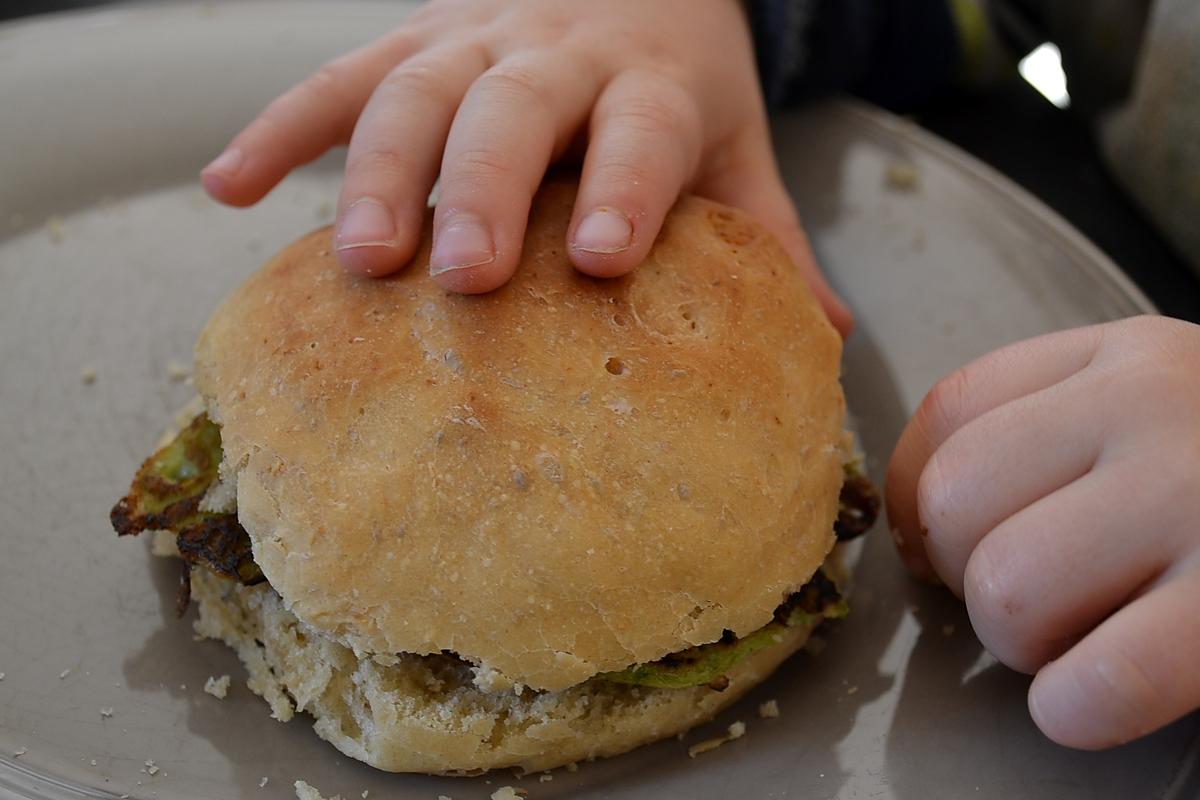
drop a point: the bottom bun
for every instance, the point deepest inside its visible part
(424, 713)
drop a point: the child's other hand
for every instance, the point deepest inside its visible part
(489, 93)
(1055, 486)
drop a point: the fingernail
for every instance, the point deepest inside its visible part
(227, 164)
(603, 231)
(366, 223)
(461, 242)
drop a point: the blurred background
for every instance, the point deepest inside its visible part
(1052, 94)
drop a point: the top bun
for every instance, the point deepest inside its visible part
(563, 477)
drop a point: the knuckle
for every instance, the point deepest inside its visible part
(1121, 678)
(477, 165)
(386, 166)
(621, 174)
(665, 108)
(417, 79)
(945, 404)
(329, 83)
(515, 83)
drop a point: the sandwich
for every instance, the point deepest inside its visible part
(543, 525)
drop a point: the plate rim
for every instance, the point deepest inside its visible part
(1094, 262)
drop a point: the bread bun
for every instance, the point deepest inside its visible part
(423, 714)
(563, 477)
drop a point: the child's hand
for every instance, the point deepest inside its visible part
(489, 93)
(1055, 486)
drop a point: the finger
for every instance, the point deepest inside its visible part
(1052, 571)
(750, 180)
(512, 122)
(304, 122)
(1133, 674)
(998, 464)
(644, 146)
(394, 154)
(987, 383)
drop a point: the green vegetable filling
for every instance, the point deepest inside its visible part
(166, 495)
(707, 664)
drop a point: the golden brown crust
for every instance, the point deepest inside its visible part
(562, 477)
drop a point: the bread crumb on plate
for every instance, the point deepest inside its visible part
(508, 793)
(700, 748)
(177, 370)
(263, 783)
(306, 792)
(769, 710)
(106, 712)
(902, 176)
(217, 687)
(736, 730)
(56, 229)
(87, 375)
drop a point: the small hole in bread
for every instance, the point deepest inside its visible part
(616, 366)
(620, 320)
(726, 413)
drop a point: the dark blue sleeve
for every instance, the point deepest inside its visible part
(896, 53)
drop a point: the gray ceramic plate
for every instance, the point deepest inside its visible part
(111, 259)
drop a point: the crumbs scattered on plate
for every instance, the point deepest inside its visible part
(56, 230)
(769, 710)
(306, 792)
(177, 371)
(509, 793)
(902, 176)
(736, 730)
(217, 687)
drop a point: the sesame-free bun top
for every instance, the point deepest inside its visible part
(563, 477)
